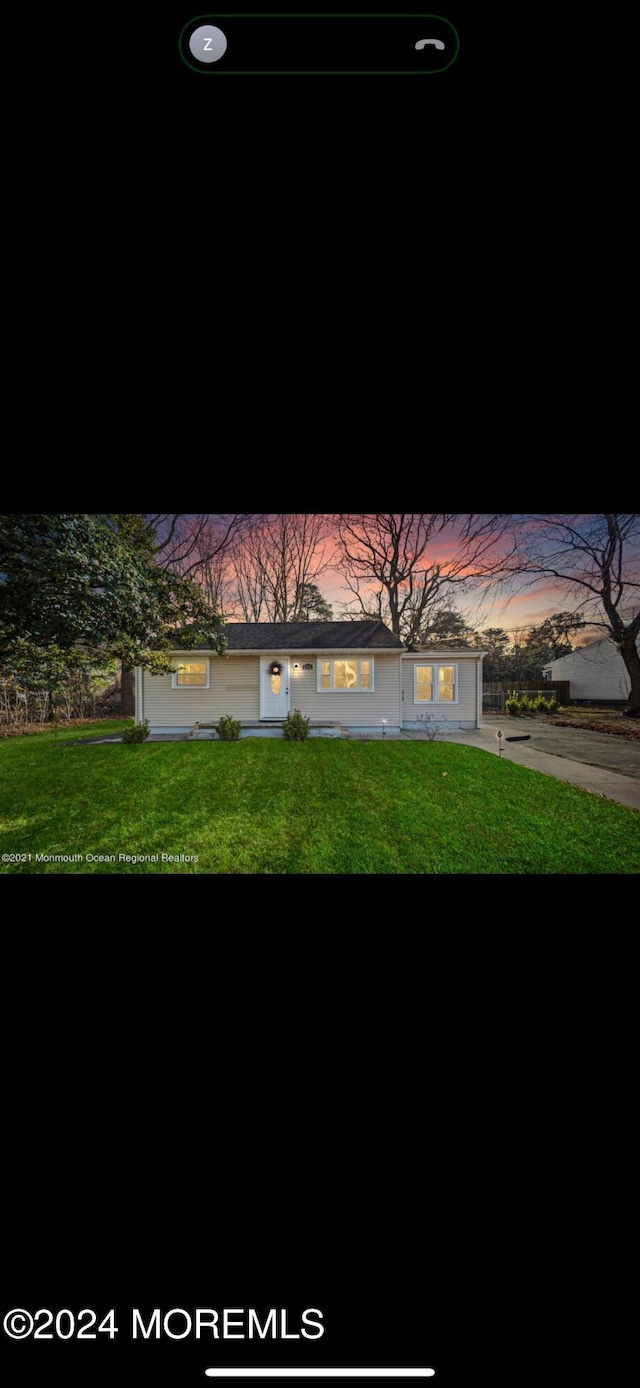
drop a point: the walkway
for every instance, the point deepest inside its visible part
(562, 760)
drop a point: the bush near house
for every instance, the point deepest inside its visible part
(228, 728)
(138, 732)
(296, 728)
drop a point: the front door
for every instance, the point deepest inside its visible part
(274, 686)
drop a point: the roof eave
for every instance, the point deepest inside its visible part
(436, 652)
(292, 650)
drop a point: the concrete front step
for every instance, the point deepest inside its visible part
(206, 732)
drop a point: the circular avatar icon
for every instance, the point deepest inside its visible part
(208, 44)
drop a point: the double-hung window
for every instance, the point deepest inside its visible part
(343, 676)
(435, 684)
(191, 674)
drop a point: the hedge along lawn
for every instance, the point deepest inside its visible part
(264, 805)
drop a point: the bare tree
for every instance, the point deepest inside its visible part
(249, 585)
(185, 542)
(279, 557)
(389, 569)
(597, 559)
(210, 542)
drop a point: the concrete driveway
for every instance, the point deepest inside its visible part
(600, 762)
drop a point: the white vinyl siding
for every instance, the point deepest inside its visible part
(354, 708)
(234, 687)
(461, 711)
(596, 671)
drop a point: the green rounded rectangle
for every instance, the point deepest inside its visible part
(445, 37)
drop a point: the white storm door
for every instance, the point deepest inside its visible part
(274, 687)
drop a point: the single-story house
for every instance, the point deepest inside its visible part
(338, 674)
(597, 672)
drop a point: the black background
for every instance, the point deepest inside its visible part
(342, 217)
(294, 1121)
(432, 124)
(355, 219)
(386, 1255)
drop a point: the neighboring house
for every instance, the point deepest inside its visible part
(596, 672)
(338, 674)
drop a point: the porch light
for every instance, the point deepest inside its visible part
(295, 665)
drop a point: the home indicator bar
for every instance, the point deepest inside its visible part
(320, 1373)
(417, 45)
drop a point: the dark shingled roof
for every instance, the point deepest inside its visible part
(316, 636)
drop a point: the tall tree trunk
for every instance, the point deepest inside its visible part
(629, 652)
(128, 693)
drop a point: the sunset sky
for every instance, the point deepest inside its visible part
(515, 605)
(525, 604)
(519, 609)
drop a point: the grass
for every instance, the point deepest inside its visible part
(324, 806)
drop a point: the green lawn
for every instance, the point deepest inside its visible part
(324, 806)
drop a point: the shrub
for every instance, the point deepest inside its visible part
(552, 705)
(138, 732)
(295, 728)
(541, 705)
(228, 728)
(512, 702)
(429, 726)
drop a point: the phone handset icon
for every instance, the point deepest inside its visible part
(423, 43)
